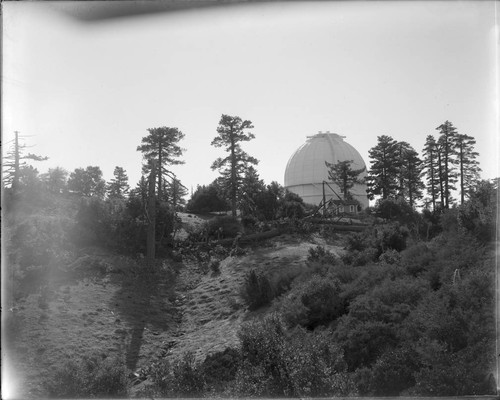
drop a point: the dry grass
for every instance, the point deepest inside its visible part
(104, 304)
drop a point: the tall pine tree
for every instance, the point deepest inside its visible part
(162, 146)
(447, 162)
(467, 164)
(118, 187)
(344, 176)
(231, 132)
(412, 176)
(382, 179)
(431, 169)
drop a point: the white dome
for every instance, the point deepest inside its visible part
(306, 169)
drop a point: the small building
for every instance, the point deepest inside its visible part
(346, 206)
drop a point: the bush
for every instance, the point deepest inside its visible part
(220, 368)
(477, 215)
(360, 258)
(417, 258)
(313, 302)
(392, 236)
(257, 290)
(292, 206)
(277, 364)
(390, 257)
(183, 378)
(322, 256)
(40, 240)
(396, 210)
(187, 377)
(214, 266)
(229, 225)
(207, 199)
(93, 376)
(357, 242)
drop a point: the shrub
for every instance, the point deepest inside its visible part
(214, 266)
(393, 372)
(322, 256)
(40, 240)
(277, 364)
(313, 302)
(391, 236)
(315, 365)
(417, 258)
(257, 290)
(220, 368)
(160, 373)
(360, 258)
(229, 225)
(183, 378)
(93, 376)
(390, 257)
(356, 242)
(477, 215)
(187, 376)
(262, 345)
(292, 206)
(396, 210)
(207, 199)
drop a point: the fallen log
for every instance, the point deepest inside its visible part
(245, 239)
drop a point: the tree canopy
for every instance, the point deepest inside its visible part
(231, 132)
(162, 145)
(344, 176)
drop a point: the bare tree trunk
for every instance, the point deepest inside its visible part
(462, 186)
(15, 181)
(151, 236)
(233, 178)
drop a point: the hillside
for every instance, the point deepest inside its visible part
(404, 307)
(104, 303)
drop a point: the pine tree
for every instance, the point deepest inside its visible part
(231, 132)
(251, 189)
(175, 192)
(412, 176)
(403, 148)
(431, 169)
(87, 182)
(447, 152)
(118, 187)
(55, 180)
(344, 176)
(14, 161)
(382, 177)
(468, 165)
(162, 146)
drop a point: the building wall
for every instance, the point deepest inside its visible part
(306, 169)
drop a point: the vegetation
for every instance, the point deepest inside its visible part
(93, 376)
(404, 308)
(231, 132)
(162, 146)
(344, 176)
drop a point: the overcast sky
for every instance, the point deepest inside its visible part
(87, 91)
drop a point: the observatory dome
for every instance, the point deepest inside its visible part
(306, 169)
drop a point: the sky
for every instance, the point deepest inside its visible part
(85, 93)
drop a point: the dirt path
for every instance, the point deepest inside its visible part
(213, 311)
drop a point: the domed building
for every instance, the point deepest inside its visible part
(306, 169)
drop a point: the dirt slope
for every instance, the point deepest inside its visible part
(105, 303)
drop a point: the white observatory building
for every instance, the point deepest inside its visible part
(306, 170)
